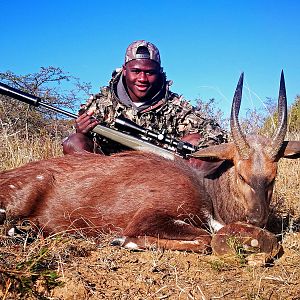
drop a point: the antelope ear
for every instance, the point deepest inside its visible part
(216, 152)
(290, 149)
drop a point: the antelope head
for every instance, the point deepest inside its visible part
(254, 159)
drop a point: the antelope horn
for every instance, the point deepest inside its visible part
(279, 135)
(236, 132)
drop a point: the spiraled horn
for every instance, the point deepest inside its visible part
(279, 135)
(236, 132)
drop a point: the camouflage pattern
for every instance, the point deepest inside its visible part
(170, 114)
(133, 47)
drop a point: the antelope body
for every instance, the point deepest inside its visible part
(147, 199)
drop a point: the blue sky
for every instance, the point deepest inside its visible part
(204, 45)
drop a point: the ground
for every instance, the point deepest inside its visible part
(66, 267)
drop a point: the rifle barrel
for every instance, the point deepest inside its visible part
(117, 136)
(31, 99)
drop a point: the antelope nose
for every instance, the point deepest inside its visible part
(256, 220)
(253, 221)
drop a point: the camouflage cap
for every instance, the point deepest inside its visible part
(133, 53)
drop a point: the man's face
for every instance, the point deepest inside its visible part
(143, 79)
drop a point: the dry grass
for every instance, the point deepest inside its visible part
(68, 267)
(15, 152)
(287, 186)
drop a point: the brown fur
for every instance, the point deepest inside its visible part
(241, 189)
(133, 193)
(142, 196)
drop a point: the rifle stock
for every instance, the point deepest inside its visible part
(133, 142)
(117, 136)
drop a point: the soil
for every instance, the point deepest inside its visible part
(67, 267)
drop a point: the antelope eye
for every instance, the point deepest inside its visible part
(241, 178)
(271, 182)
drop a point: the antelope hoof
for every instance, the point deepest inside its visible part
(2, 215)
(118, 241)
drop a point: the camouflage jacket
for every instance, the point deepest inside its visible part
(167, 112)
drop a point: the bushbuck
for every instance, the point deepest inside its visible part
(146, 199)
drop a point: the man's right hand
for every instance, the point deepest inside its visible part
(86, 122)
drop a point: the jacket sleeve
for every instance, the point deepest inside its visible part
(192, 121)
(102, 105)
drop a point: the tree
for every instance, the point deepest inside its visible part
(208, 109)
(294, 116)
(54, 86)
(271, 121)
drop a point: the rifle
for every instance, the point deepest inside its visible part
(173, 147)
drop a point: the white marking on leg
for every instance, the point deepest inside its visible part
(11, 232)
(131, 246)
(214, 224)
(2, 211)
(180, 222)
(11, 186)
(40, 177)
(195, 242)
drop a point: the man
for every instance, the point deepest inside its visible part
(140, 92)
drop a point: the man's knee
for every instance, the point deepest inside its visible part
(77, 143)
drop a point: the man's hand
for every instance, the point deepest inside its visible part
(194, 139)
(86, 122)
